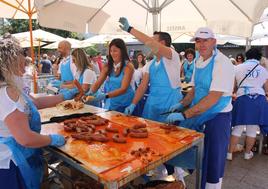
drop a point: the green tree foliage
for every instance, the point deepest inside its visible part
(22, 25)
(91, 50)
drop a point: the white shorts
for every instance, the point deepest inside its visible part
(251, 130)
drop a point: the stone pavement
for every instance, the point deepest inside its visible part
(242, 174)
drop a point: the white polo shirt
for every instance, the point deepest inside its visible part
(172, 66)
(223, 75)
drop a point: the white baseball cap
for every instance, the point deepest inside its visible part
(203, 33)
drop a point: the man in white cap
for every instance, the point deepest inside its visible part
(208, 107)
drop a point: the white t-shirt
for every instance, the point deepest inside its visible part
(138, 75)
(89, 76)
(72, 65)
(95, 68)
(255, 80)
(222, 76)
(10, 106)
(172, 67)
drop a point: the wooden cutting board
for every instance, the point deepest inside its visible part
(112, 161)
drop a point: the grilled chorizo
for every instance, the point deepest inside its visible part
(138, 135)
(112, 129)
(99, 138)
(118, 139)
(139, 125)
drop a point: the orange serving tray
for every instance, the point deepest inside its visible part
(112, 162)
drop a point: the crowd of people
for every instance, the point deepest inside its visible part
(223, 96)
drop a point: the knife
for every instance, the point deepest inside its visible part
(170, 112)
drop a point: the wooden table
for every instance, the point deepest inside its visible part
(112, 164)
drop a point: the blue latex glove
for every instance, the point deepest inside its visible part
(57, 140)
(69, 94)
(129, 110)
(125, 25)
(56, 83)
(176, 107)
(99, 97)
(175, 117)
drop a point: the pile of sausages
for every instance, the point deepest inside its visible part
(84, 128)
(145, 154)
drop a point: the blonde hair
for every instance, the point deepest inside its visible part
(10, 50)
(82, 62)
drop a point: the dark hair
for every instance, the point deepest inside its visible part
(240, 55)
(119, 43)
(164, 36)
(254, 53)
(189, 51)
(141, 54)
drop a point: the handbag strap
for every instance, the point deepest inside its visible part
(247, 76)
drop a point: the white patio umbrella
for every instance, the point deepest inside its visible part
(105, 38)
(76, 16)
(17, 9)
(259, 36)
(74, 44)
(186, 37)
(229, 17)
(257, 42)
(21, 9)
(25, 43)
(38, 35)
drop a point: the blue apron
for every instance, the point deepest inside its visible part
(188, 70)
(93, 103)
(120, 102)
(203, 79)
(66, 72)
(161, 96)
(29, 160)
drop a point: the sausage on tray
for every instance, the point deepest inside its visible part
(118, 139)
(99, 138)
(111, 129)
(125, 132)
(138, 135)
(82, 136)
(139, 125)
(141, 130)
